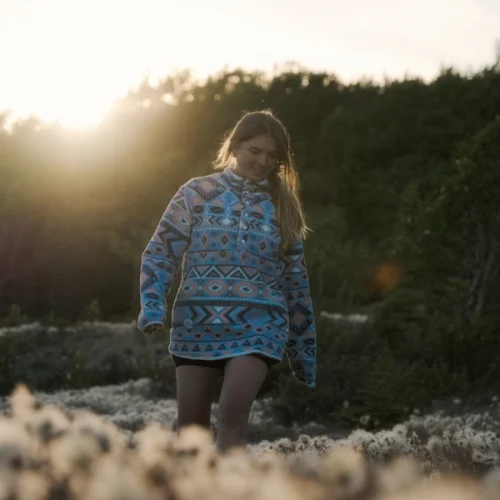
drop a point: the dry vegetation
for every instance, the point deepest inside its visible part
(116, 443)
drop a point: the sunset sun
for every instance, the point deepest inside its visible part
(74, 102)
(72, 60)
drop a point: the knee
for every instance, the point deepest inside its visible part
(233, 414)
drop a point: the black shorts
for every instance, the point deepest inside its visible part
(217, 363)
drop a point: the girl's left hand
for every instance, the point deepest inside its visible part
(299, 372)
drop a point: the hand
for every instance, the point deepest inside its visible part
(153, 328)
(299, 372)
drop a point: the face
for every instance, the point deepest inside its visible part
(256, 158)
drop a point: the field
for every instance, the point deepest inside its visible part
(116, 442)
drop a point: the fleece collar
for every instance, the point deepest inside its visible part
(244, 183)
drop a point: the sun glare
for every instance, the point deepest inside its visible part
(69, 61)
(80, 111)
(73, 99)
(70, 67)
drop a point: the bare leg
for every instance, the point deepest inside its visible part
(195, 390)
(243, 377)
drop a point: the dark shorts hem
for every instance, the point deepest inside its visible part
(218, 364)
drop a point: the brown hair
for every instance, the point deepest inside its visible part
(284, 180)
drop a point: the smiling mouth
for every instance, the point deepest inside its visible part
(258, 170)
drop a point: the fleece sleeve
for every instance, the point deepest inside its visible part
(162, 259)
(301, 344)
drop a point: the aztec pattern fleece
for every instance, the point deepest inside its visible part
(238, 295)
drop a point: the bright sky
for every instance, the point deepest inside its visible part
(69, 59)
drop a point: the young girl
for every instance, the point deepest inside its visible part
(244, 300)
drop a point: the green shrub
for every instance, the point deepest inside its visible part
(92, 312)
(383, 369)
(91, 354)
(15, 317)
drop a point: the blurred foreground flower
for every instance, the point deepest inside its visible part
(47, 453)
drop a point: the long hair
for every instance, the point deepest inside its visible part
(284, 180)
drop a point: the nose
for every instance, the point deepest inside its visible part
(263, 160)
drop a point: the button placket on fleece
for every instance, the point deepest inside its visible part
(244, 220)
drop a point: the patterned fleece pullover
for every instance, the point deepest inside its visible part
(238, 294)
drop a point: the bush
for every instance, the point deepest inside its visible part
(15, 317)
(375, 373)
(92, 312)
(88, 354)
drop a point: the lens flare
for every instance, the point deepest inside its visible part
(387, 277)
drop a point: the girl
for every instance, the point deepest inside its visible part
(244, 300)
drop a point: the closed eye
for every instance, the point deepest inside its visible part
(257, 151)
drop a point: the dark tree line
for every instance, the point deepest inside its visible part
(77, 208)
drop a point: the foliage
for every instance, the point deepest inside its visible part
(47, 358)
(92, 312)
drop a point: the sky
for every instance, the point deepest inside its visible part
(68, 60)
